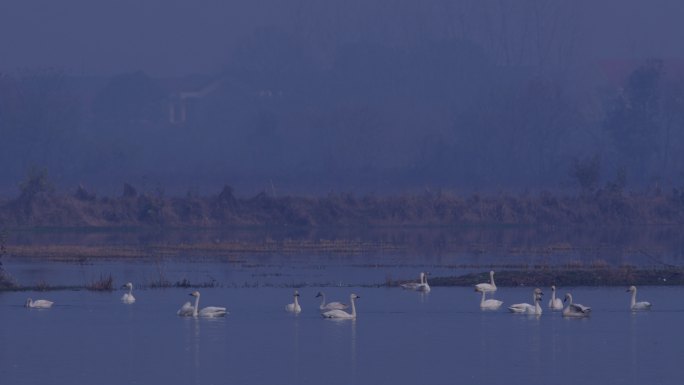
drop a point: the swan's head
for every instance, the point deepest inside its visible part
(553, 287)
(538, 291)
(195, 294)
(568, 297)
(320, 294)
(296, 293)
(354, 296)
(631, 289)
(127, 286)
(491, 272)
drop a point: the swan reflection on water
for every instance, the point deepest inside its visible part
(193, 337)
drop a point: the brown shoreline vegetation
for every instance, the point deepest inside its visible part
(608, 206)
(564, 277)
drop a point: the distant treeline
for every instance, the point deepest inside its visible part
(323, 106)
(39, 205)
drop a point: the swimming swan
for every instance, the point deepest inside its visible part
(634, 305)
(424, 287)
(575, 309)
(414, 285)
(38, 304)
(128, 297)
(294, 307)
(330, 305)
(526, 308)
(555, 303)
(209, 311)
(487, 287)
(489, 304)
(341, 314)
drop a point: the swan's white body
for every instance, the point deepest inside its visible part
(294, 307)
(341, 314)
(634, 305)
(415, 285)
(330, 305)
(38, 304)
(487, 287)
(489, 304)
(526, 308)
(575, 309)
(128, 298)
(187, 310)
(207, 312)
(555, 303)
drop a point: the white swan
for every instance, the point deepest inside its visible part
(330, 305)
(487, 287)
(414, 285)
(489, 304)
(128, 297)
(526, 308)
(341, 314)
(575, 309)
(634, 305)
(209, 311)
(555, 303)
(294, 307)
(424, 287)
(38, 304)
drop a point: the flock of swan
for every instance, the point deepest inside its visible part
(571, 310)
(337, 310)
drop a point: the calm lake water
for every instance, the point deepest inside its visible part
(400, 337)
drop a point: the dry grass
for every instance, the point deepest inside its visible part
(104, 283)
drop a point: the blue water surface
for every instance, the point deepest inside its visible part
(400, 337)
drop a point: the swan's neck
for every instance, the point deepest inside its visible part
(633, 298)
(483, 298)
(322, 300)
(296, 302)
(424, 279)
(569, 300)
(195, 311)
(353, 313)
(553, 296)
(130, 290)
(491, 279)
(537, 307)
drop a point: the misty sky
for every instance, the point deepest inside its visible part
(173, 37)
